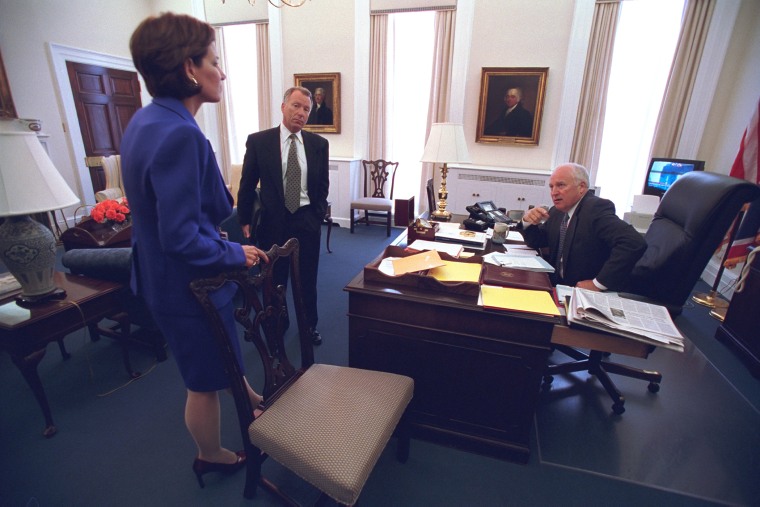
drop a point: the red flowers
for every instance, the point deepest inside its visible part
(111, 211)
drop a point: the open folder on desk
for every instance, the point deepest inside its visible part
(520, 300)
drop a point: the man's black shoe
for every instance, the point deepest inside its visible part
(316, 338)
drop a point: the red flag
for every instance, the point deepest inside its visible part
(746, 167)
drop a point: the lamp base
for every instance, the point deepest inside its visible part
(27, 301)
(719, 313)
(28, 250)
(441, 216)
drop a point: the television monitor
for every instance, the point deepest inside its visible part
(663, 172)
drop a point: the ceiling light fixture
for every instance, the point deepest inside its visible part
(280, 3)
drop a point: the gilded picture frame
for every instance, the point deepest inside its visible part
(324, 119)
(519, 90)
(7, 109)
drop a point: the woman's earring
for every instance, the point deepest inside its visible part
(195, 81)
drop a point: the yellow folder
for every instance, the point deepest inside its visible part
(521, 300)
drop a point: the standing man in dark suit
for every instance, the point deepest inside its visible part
(320, 114)
(514, 120)
(599, 250)
(291, 166)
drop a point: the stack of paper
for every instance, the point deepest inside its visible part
(451, 232)
(633, 319)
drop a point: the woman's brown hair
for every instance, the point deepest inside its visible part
(161, 45)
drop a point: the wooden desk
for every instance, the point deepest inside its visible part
(477, 372)
(25, 333)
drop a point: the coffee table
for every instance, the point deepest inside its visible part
(25, 332)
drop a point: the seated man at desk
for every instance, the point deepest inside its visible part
(589, 245)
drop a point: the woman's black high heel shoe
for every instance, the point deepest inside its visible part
(201, 467)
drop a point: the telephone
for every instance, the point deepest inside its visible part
(487, 212)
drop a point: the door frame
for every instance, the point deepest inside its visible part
(59, 54)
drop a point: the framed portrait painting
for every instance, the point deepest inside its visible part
(7, 109)
(325, 91)
(511, 105)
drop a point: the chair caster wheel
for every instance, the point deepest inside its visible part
(653, 387)
(618, 408)
(547, 384)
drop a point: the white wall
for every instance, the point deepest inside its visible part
(325, 36)
(737, 93)
(25, 30)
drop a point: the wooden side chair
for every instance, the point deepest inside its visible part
(327, 424)
(374, 203)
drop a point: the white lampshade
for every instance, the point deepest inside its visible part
(29, 182)
(446, 144)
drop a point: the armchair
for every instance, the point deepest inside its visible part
(687, 228)
(114, 186)
(327, 424)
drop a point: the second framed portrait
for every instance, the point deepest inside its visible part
(511, 105)
(325, 111)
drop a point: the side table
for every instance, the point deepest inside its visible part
(26, 332)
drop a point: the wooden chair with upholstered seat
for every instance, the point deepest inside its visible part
(374, 202)
(327, 424)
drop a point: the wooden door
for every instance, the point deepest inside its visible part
(105, 101)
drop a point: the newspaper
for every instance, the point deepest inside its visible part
(638, 320)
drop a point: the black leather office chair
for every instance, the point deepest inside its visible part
(689, 224)
(687, 228)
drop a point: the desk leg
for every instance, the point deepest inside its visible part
(28, 367)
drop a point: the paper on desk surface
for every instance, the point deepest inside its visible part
(453, 249)
(417, 262)
(519, 261)
(11, 313)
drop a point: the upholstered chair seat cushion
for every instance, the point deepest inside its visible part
(372, 204)
(311, 429)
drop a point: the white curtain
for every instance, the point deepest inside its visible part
(675, 104)
(587, 139)
(264, 76)
(377, 93)
(440, 83)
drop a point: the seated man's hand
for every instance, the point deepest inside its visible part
(588, 285)
(535, 216)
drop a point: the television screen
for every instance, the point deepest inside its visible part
(663, 172)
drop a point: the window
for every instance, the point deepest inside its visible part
(240, 87)
(410, 66)
(645, 43)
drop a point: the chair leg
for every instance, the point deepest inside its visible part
(388, 225)
(351, 219)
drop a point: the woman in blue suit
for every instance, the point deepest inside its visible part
(178, 199)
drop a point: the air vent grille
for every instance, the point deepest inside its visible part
(512, 180)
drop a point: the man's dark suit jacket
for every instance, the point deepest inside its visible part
(518, 123)
(598, 244)
(320, 116)
(263, 163)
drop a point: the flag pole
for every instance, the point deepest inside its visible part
(712, 299)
